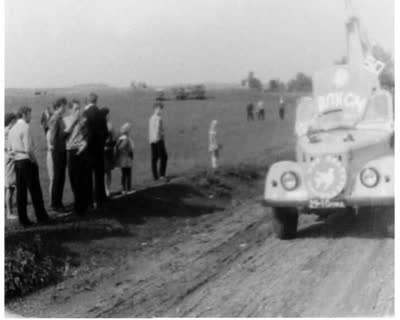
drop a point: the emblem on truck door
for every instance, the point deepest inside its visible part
(326, 177)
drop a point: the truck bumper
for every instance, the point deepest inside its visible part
(356, 202)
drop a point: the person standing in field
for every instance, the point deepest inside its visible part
(213, 145)
(9, 179)
(124, 155)
(77, 159)
(109, 154)
(157, 143)
(260, 110)
(250, 111)
(21, 145)
(57, 145)
(96, 128)
(281, 108)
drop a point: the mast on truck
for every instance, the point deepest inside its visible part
(359, 49)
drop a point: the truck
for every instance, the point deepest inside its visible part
(344, 143)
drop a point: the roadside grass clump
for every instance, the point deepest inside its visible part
(213, 183)
(227, 180)
(245, 172)
(31, 265)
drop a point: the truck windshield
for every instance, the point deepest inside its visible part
(377, 113)
(333, 119)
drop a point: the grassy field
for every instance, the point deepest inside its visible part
(187, 124)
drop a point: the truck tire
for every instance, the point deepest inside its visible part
(285, 222)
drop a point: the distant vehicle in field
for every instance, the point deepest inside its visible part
(344, 152)
(180, 93)
(197, 92)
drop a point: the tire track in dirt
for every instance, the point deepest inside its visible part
(158, 295)
(325, 276)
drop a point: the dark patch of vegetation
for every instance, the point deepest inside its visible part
(31, 265)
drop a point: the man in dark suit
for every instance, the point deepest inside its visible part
(96, 130)
(59, 154)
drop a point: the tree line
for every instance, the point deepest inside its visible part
(303, 83)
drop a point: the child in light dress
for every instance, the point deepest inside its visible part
(213, 146)
(124, 155)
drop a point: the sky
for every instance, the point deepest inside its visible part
(55, 43)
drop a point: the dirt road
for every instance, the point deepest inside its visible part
(229, 264)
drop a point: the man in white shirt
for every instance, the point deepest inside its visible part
(157, 144)
(260, 110)
(21, 144)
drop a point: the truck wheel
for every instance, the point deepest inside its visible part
(285, 222)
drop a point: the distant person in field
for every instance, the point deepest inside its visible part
(157, 143)
(22, 145)
(109, 154)
(9, 172)
(250, 111)
(124, 154)
(281, 108)
(45, 118)
(96, 128)
(260, 110)
(213, 145)
(78, 168)
(57, 141)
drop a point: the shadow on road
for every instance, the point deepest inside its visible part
(170, 200)
(370, 223)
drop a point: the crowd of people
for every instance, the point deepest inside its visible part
(259, 109)
(80, 141)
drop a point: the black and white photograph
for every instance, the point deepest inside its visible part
(199, 158)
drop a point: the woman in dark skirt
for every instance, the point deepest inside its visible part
(109, 152)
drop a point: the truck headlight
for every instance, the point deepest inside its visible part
(289, 180)
(369, 177)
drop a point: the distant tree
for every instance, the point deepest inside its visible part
(275, 85)
(255, 83)
(301, 83)
(386, 78)
(252, 82)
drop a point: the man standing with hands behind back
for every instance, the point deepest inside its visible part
(157, 143)
(96, 133)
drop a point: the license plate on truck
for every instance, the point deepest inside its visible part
(325, 204)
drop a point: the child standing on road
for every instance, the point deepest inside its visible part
(213, 146)
(124, 156)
